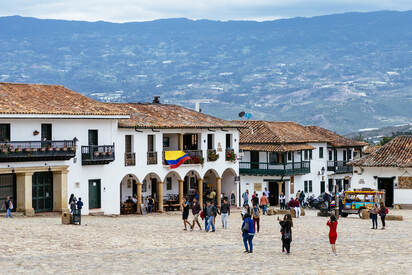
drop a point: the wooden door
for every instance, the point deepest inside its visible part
(94, 194)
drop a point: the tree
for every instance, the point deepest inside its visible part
(385, 140)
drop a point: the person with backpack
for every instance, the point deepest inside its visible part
(185, 213)
(286, 232)
(333, 235)
(9, 206)
(248, 232)
(256, 217)
(383, 211)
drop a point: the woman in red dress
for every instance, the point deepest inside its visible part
(333, 224)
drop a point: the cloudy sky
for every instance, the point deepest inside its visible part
(143, 10)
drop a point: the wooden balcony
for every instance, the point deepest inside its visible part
(20, 151)
(339, 167)
(129, 159)
(265, 168)
(151, 158)
(97, 154)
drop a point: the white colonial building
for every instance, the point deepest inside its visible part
(287, 157)
(388, 168)
(55, 142)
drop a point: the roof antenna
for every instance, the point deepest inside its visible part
(156, 99)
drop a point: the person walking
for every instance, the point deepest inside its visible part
(196, 214)
(245, 197)
(248, 232)
(185, 213)
(282, 200)
(72, 203)
(383, 211)
(374, 216)
(8, 204)
(245, 210)
(80, 205)
(210, 214)
(255, 199)
(286, 232)
(266, 192)
(296, 206)
(256, 217)
(302, 198)
(333, 224)
(264, 203)
(225, 212)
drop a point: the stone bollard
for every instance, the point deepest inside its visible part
(270, 212)
(66, 218)
(394, 217)
(302, 211)
(293, 213)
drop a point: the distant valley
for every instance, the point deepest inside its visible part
(343, 72)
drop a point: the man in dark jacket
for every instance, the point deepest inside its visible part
(211, 212)
(225, 212)
(195, 212)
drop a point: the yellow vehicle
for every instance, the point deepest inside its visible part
(355, 201)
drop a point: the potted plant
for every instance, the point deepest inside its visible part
(110, 153)
(231, 156)
(27, 149)
(57, 149)
(65, 148)
(212, 155)
(43, 149)
(19, 149)
(96, 154)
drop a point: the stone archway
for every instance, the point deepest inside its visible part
(173, 190)
(192, 184)
(130, 187)
(213, 183)
(152, 186)
(230, 187)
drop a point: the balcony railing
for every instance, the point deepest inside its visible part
(339, 167)
(196, 157)
(129, 159)
(97, 154)
(151, 158)
(212, 155)
(19, 151)
(265, 168)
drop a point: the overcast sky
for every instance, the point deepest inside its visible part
(143, 10)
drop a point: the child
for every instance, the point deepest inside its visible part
(80, 204)
(333, 224)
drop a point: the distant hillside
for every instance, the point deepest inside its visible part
(375, 135)
(344, 72)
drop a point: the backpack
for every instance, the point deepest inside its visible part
(245, 227)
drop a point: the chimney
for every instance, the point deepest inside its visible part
(197, 107)
(156, 99)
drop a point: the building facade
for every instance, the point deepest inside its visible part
(388, 168)
(286, 157)
(55, 142)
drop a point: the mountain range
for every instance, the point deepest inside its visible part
(343, 72)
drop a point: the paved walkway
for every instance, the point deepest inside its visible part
(156, 244)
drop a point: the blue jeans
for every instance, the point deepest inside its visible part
(265, 207)
(8, 213)
(210, 222)
(247, 238)
(225, 217)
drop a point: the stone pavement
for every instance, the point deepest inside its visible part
(156, 244)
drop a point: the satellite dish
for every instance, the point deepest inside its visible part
(242, 114)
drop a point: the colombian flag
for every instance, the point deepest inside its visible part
(175, 158)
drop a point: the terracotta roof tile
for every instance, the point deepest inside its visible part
(334, 139)
(276, 147)
(49, 99)
(396, 153)
(369, 149)
(155, 115)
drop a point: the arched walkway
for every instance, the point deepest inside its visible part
(230, 186)
(212, 185)
(173, 191)
(152, 186)
(130, 195)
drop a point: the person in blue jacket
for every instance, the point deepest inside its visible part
(248, 232)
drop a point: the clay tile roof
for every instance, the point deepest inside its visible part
(369, 149)
(396, 153)
(276, 147)
(334, 139)
(155, 115)
(258, 131)
(49, 99)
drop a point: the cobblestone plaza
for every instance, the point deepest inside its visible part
(157, 244)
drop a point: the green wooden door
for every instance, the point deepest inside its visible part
(42, 191)
(8, 189)
(94, 194)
